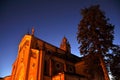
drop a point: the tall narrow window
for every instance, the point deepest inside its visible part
(46, 68)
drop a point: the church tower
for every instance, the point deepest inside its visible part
(28, 64)
(65, 45)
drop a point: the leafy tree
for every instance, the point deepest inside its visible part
(95, 34)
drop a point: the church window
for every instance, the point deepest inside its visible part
(58, 66)
(70, 68)
(46, 68)
(36, 46)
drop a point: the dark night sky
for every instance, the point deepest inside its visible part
(52, 20)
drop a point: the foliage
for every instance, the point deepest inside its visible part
(95, 34)
(113, 59)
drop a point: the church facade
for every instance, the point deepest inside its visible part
(39, 60)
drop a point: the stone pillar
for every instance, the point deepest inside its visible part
(41, 64)
(50, 68)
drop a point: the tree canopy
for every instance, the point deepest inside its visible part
(95, 34)
(113, 61)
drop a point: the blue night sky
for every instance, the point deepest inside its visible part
(52, 20)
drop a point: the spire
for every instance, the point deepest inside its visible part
(65, 45)
(33, 30)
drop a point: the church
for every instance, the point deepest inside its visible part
(40, 60)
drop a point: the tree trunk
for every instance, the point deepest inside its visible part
(103, 65)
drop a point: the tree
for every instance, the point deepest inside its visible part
(113, 59)
(95, 34)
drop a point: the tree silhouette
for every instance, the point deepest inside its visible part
(113, 59)
(95, 34)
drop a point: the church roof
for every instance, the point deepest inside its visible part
(69, 57)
